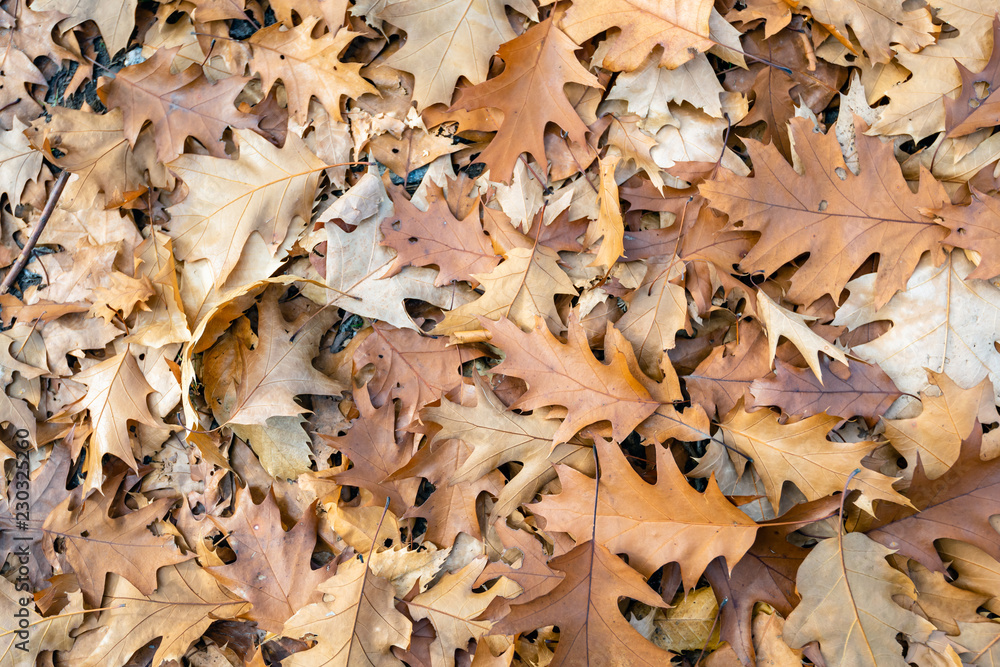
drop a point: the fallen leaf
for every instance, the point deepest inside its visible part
(538, 64)
(654, 524)
(585, 604)
(847, 606)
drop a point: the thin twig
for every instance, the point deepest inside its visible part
(22, 259)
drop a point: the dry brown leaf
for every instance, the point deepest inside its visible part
(609, 226)
(498, 436)
(520, 289)
(272, 570)
(437, 29)
(358, 266)
(681, 28)
(116, 394)
(186, 601)
(585, 604)
(847, 605)
(96, 544)
(177, 105)
(356, 616)
(116, 19)
(943, 321)
(823, 208)
(307, 67)
(543, 49)
(453, 609)
(781, 322)
(802, 454)
(569, 375)
(946, 419)
(654, 524)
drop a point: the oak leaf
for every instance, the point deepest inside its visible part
(774, 105)
(726, 375)
(281, 443)
(681, 28)
(946, 419)
(649, 89)
(627, 140)
(178, 105)
(186, 601)
(980, 641)
(976, 108)
(97, 544)
(592, 630)
(448, 39)
(802, 454)
(847, 606)
(19, 162)
(654, 524)
(769, 641)
(278, 368)
(115, 19)
(520, 289)
(865, 391)
(824, 209)
(45, 634)
(779, 321)
(877, 24)
(13, 409)
(453, 510)
(435, 237)
(498, 436)
(355, 624)
(371, 446)
(272, 569)
(48, 490)
(609, 226)
(413, 369)
(358, 267)
(976, 227)
(21, 73)
(657, 310)
(116, 394)
(944, 321)
(165, 321)
(228, 200)
(308, 67)
(942, 603)
(332, 11)
(539, 63)
(968, 490)
(568, 375)
(765, 574)
(530, 570)
(94, 148)
(454, 609)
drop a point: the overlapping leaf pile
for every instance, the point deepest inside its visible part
(491, 332)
